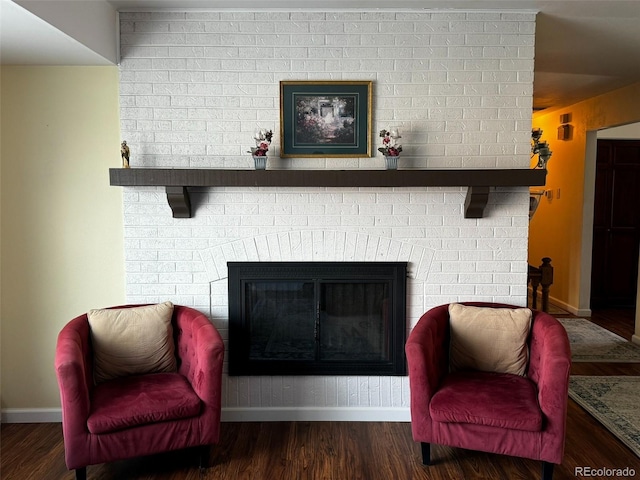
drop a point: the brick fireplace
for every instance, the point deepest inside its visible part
(196, 84)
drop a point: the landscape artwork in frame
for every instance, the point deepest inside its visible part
(325, 118)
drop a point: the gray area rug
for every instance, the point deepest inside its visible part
(613, 401)
(592, 343)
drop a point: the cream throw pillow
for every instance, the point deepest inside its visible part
(132, 341)
(489, 339)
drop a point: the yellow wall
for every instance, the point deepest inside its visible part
(561, 227)
(61, 223)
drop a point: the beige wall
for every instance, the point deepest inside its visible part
(561, 228)
(61, 222)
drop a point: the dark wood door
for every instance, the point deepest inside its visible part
(616, 224)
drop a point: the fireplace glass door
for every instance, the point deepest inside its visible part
(316, 318)
(281, 318)
(353, 322)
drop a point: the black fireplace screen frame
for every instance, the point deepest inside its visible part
(392, 275)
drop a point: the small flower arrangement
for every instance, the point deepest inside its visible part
(263, 140)
(540, 148)
(390, 146)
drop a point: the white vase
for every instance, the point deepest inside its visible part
(392, 162)
(260, 162)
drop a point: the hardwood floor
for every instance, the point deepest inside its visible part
(330, 450)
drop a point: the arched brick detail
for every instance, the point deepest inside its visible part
(317, 246)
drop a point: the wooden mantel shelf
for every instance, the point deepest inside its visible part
(177, 180)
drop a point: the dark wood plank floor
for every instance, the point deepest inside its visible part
(331, 450)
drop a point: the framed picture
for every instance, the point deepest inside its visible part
(325, 118)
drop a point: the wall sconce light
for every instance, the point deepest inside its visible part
(565, 131)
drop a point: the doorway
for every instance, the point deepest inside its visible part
(616, 224)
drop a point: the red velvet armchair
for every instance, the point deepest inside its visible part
(141, 414)
(502, 413)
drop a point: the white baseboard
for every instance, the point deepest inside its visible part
(585, 312)
(31, 415)
(635, 339)
(579, 312)
(316, 414)
(280, 414)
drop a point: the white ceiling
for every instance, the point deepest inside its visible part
(583, 47)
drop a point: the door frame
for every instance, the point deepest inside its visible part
(589, 189)
(589, 192)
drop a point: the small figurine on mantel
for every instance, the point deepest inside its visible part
(124, 151)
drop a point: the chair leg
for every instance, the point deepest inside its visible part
(547, 471)
(81, 473)
(205, 456)
(426, 453)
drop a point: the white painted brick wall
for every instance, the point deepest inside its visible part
(196, 84)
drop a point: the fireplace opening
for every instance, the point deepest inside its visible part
(317, 318)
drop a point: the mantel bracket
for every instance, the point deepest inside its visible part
(179, 201)
(476, 201)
